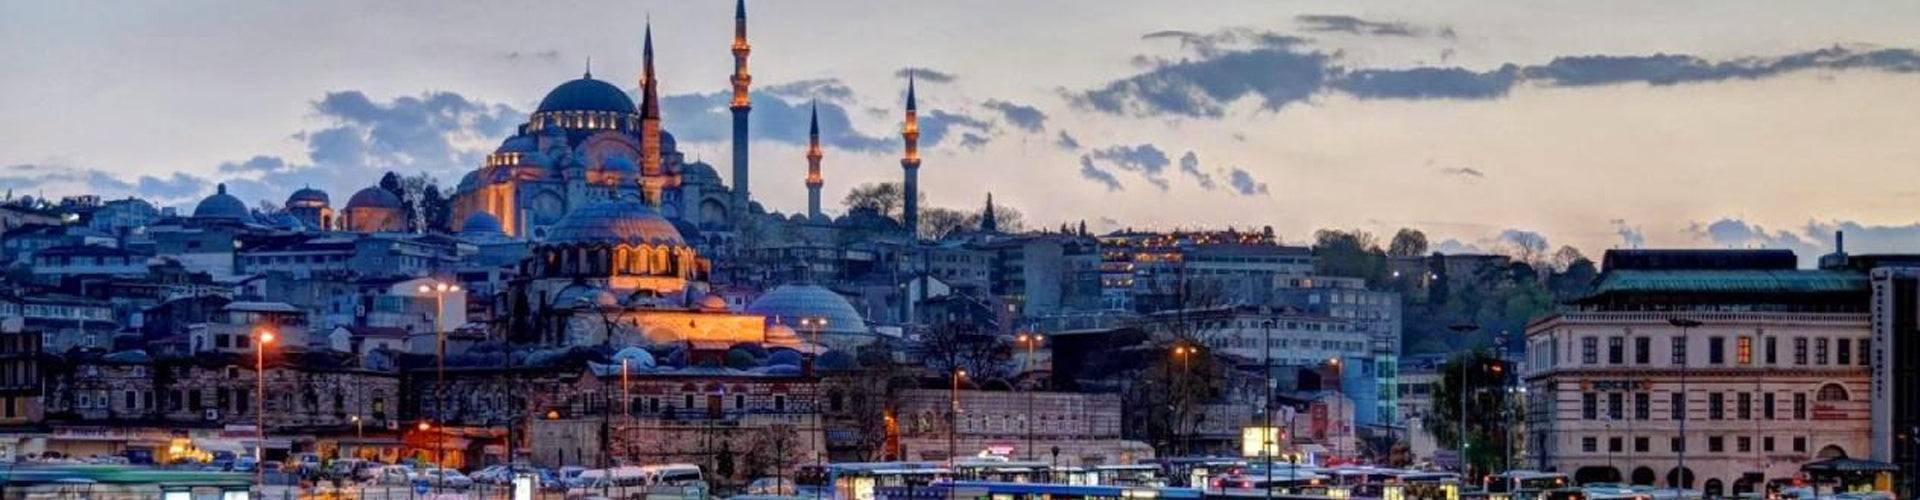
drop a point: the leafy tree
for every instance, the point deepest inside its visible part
(887, 198)
(436, 209)
(1354, 253)
(1488, 409)
(1408, 242)
(937, 223)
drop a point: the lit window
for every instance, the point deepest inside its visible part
(1743, 351)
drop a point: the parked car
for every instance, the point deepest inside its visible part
(391, 475)
(243, 464)
(444, 477)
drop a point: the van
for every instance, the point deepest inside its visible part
(616, 483)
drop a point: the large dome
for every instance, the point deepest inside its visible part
(614, 222)
(374, 197)
(787, 304)
(481, 224)
(586, 94)
(221, 205)
(308, 196)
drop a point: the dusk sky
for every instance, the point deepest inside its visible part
(1595, 124)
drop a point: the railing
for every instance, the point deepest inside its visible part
(1711, 318)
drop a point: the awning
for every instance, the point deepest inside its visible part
(1847, 465)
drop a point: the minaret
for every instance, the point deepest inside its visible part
(742, 104)
(989, 223)
(813, 164)
(910, 133)
(651, 176)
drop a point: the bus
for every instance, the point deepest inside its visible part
(120, 482)
(1193, 472)
(860, 480)
(1137, 475)
(1005, 471)
(994, 490)
(1530, 485)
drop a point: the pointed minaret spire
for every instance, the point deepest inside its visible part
(910, 164)
(652, 176)
(989, 222)
(589, 73)
(742, 105)
(814, 180)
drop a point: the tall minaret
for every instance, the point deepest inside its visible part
(989, 221)
(910, 132)
(652, 178)
(741, 106)
(813, 164)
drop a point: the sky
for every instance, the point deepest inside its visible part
(1720, 124)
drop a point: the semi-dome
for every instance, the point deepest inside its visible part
(699, 172)
(614, 222)
(667, 142)
(481, 224)
(788, 304)
(308, 196)
(374, 197)
(220, 205)
(586, 94)
(519, 143)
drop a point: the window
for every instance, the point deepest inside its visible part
(1716, 350)
(1799, 406)
(1863, 352)
(1590, 350)
(1800, 444)
(1831, 392)
(1716, 406)
(1616, 350)
(1677, 444)
(1679, 406)
(1820, 351)
(1640, 444)
(780, 403)
(1799, 351)
(1743, 444)
(1640, 406)
(1716, 444)
(1766, 406)
(1743, 351)
(1766, 444)
(1745, 407)
(1771, 352)
(1589, 444)
(1642, 350)
(1614, 410)
(1844, 352)
(1590, 406)
(1615, 444)
(740, 402)
(1679, 350)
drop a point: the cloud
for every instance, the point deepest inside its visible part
(257, 164)
(54, 181)
(972, 141)
(1094, 173)
(1357, 26)
(1731, 232)
(1190, 165)
(1630, 236)
(1278, 75)
(1067, 142)
(1243, 183)
(1024, 117)
(1456, 247)
(1464, 173)
(542, 55)
(175, 188)
(928, 75)
(1217, 42)
(1810, 240)
(1144, 159)
(704, 117)
(825, 89)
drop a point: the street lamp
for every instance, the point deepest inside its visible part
(439, 291)
(953, 421)
(1032, 341)
(260, 408)
(1266, 379)
(813, 325)
(1463, 329)
(1682, 477)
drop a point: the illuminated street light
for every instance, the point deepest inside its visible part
(266, 337)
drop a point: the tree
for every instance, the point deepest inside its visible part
(1408, 242)
(436, 209)
(1487, 412)
(1565, 257)
(884, 197)
(956, 346)
(1008, 218)
(1353, 253)
(937, 223)
(1525, 246)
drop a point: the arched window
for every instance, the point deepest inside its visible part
(1831, 392)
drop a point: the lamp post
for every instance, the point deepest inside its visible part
(1032, 341)
(1682, 477)
(1180, 352)
(1339, 407)
(265, 337)
(813, 325)
(953, 422)
(439, 291)
(1461, 446)
(1266, 378)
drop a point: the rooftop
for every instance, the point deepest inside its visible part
(1731, 281)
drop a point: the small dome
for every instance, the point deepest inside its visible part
(667, 143)
(788, 304)
(308, 196)
(621, 164)
(470, 181)
(611, 221)
(635, 357)
(373, 197)
(481, 224)
(699, 172)
(221, 205)
(519, 144)
(713, 303)
(780, 335)
(586, 94)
